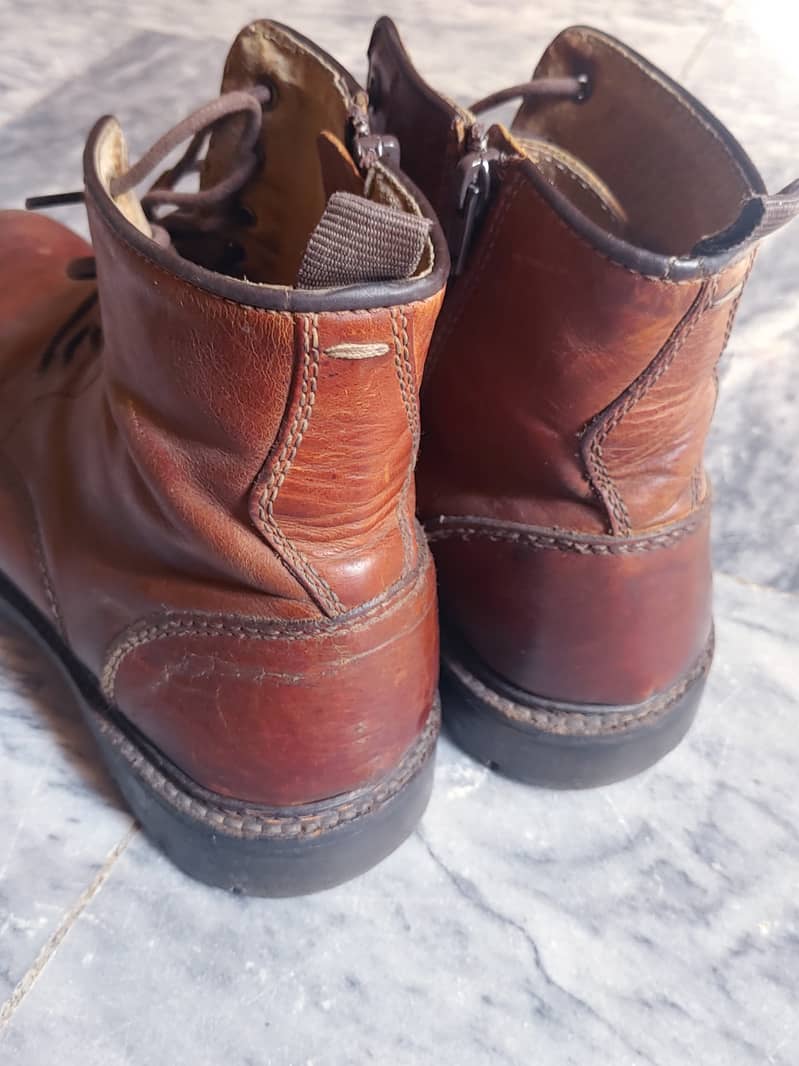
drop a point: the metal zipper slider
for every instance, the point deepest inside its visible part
(473, 193)
(369, 148)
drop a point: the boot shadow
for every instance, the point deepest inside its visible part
(28, 676)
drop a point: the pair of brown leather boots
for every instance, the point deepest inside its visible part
(210, 423)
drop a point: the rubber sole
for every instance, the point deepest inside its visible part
(561, 745)
(243, 848)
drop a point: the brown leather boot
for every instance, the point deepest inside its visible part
(601, 245)
(206, 474)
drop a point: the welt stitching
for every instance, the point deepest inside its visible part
(325, 595)
(562, 542)
(410, 403)
(600, 430)
(249, 821)
(573, 721)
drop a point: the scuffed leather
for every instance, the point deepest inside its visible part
(126, 477)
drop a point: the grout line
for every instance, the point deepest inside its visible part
(55, 941)
(703, 41)
(748, 583)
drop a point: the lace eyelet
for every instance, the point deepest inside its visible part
(585, 90)
(270, 103)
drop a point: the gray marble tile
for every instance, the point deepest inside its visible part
(746, 72)
(655, 921)
(150, 83)
(46, 43)
(61, 817)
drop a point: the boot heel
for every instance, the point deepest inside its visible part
(269, 851)
(562, 745)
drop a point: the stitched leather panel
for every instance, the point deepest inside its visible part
(279, 714)
(610, 627)
(509, 391)
(653, 439)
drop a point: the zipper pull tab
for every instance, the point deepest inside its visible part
(368, 148)
(473, 195)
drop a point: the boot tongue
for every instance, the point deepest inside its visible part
(284, 200)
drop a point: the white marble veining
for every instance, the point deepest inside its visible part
(655, 921)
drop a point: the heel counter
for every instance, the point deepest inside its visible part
(572, 617)
(335, 498)
(282, 712)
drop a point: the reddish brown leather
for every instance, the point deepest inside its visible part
(574, 619)
(129, 481)
(320, 708)
(566, 400)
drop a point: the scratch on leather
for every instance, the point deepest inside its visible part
(237, 627)
(596, 434)
(302, 569)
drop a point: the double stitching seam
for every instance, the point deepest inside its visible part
(563, 541)
(149, 630)
(292, 557)
(407, 386)
(598, 431)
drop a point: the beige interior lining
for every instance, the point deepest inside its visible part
(666, 164)
(304, 160)
(112, 161)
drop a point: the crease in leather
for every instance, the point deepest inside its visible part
(610, 420)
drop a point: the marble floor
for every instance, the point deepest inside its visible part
(655, 921)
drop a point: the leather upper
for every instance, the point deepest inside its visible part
(572, 377)
(213, 505)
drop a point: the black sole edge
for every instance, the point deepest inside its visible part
(561, 759)
(271, 852)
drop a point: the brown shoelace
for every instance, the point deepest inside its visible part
(205, 210)
(575, 88)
